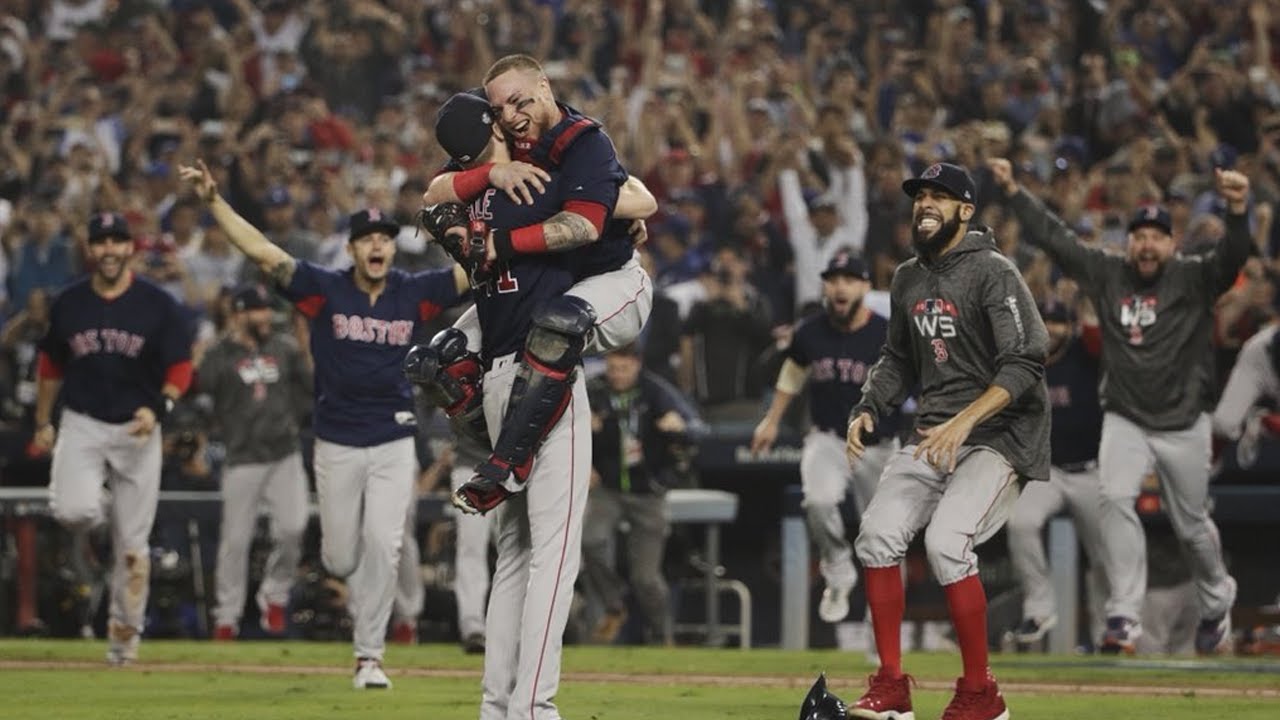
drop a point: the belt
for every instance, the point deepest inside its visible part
(1078, 467)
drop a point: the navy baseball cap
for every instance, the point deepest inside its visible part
(371, 220)
(945, 176)
(1156, 216)
(108, 224)
(251, 296)
(464, 125)
(845, 263)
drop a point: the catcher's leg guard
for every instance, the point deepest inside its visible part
(449, 377)
(539, 395)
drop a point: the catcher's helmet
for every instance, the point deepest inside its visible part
(820, 704)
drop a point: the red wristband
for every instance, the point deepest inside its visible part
(468, 184)
(529, 239)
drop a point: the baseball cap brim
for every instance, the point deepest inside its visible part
(383, 226)
(912, 186)
(1162, 227)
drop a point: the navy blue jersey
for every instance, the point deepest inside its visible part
(114, 354)
(1077, 414)
(838, 362)
(362, 395)
(579, 149)
(506, 303)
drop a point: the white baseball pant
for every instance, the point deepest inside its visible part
(87, 454)
(962, 509)
(825, 478)
(1181, 460)
(410, 593)
(282, 487)
(1079, 493)
(363, 494)
(471, 560)
(539, 553)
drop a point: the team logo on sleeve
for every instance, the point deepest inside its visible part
(1137, 312)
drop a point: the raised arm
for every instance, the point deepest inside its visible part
(1223, 263)
(1043, 229)
(268, 256)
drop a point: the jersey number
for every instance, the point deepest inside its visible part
(505, 283)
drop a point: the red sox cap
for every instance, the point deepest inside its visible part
(945, 176)
(369, 221)
(1155, 216)
(845, 263)
(464, 125)
(107, 224)
(251, 296)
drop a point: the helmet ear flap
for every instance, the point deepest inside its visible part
(821, 704)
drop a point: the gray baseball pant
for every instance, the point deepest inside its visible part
(282, 487)
(826, 477)
(650, 521)
(87, 454)
(471, 561)
(410, 593)
(1181, 460)
(363, 493)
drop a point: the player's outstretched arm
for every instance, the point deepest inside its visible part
(1230, 254)
(791, 379)
(635, 202)
(1045, 230)
(519, 180)
(266, 255)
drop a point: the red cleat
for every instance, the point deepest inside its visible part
(273, 620)
(404, 633)
(886, 698)
(224, 633)
(984, 704)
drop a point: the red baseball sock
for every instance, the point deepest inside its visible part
(967, 602)
(886, 599)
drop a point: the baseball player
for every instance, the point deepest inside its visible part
(611, 287)
(1255, 378)
(833, 351)
(963, 327)
(118, 355)
(1155, 309)
(260, 384)
(361, 322)
(410, 595)
(1071, 373)
(522, 308)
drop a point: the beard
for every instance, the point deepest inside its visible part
(843, 319)
(259, 332)
(929, 245)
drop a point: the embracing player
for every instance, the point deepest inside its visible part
(833, 351)
(612, 294)
(964, 328)
(362, 322)
(1155, 309)
(118, 353)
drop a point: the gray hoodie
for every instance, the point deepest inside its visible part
(1157, 337)
(959, 325)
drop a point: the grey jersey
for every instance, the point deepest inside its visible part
(958, 326)
(258, 396)
(1157, 352)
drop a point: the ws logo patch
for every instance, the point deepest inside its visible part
(935, 317)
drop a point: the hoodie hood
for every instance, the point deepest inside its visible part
(978, 238)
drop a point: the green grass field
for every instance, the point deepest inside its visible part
(271, 681)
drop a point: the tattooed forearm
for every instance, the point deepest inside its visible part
(568, 230)
(282, 273)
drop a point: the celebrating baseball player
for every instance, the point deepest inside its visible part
(260, 383)
(362, 320)
(964, 327)
(833, 351)
(1254, 380)
(612, 295)
(118, 349)
(1071, 373)
(1155, 309)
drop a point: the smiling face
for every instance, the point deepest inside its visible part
(372, 255)
(110, 257)
(1149, 249)
(936, 217)
(523, 103)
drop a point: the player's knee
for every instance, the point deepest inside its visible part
(879, 544)
(950, 553)
(77, 514)
(1113, 497)
(340, 562)
(561, 329)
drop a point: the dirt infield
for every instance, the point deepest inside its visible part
(776, 681)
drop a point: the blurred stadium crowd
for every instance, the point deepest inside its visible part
(772, 134)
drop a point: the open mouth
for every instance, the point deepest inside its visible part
(521, 127)
(377, 263)
(928, 222)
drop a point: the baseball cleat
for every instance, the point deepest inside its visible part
(404, 632)
(984, 704)
(369, 675)
(1033, 631)
(273, 619)
(886, 698)
(834, 605)
(224, 633)
(122, 645)
(1213, 635)
(473, 644)
(1121, 636)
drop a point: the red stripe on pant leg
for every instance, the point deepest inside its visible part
(564, 546)
(632, 301)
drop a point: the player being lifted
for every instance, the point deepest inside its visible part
(833, 351)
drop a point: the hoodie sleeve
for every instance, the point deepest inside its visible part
(1021, 341)
(1043, 229)
(894, 374)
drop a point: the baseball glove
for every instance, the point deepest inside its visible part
(467, 250)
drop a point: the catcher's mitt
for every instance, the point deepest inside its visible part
(467, 249)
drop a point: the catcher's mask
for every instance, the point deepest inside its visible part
(820, 704)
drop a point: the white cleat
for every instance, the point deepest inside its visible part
(834, 606)
(369, 675)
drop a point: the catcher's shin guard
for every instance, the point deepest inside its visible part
(539, 395)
